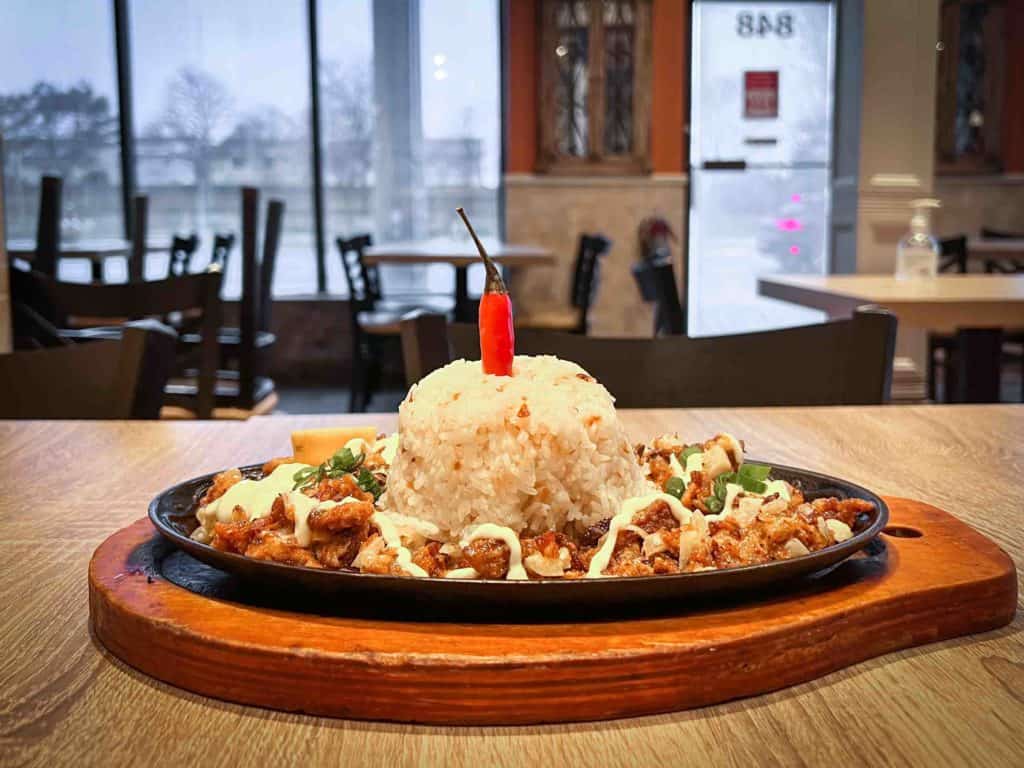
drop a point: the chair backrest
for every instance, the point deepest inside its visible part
(182, 251)
(425, 344)
(248, 308)
(843, 362)
(586, 277)
(953, 254)
(271, 242)
(1007, 265)
(56, 301)
(222, 245)
(122, 379)
(140, 231)
(48, 226)
(657, 284)
(987, 233)
(363, 281)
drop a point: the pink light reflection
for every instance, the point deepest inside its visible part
(795, 198)
(795, 250)
(789, 225)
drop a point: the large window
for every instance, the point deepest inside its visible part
(409, 94)
(221, 103)
(58, 115)
(410, 124)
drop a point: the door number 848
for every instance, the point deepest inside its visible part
(762, 24)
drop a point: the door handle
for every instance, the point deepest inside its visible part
(724, 165)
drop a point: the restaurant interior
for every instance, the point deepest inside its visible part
(457, 264)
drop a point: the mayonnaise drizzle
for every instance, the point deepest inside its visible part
(255, 497)
(624, 520)
(303, 506)
(393, 540)
(462, 573)
(388, 447)
(357, 446)
(516, 572)
(693, 464)
(780, 487)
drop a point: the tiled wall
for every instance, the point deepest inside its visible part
(553, 211)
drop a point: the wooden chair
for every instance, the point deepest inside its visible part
(657, 284)
(1008, 266)
(58, 303)
(585, 282)
(947, 351)
(182, 251)
(243, 388)
(140, 231)
(843, 362)
(1013, 340)
(51, 190)
(111, 379)
(369, 325)
(222, 245)
(953, 254)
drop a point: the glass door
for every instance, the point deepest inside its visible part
(760, 155)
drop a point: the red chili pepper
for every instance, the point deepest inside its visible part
(497, 336)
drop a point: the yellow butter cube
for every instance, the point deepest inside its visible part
(315, 446)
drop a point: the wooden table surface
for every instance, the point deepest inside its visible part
(940, 304)
(64, 701)
(457, 252)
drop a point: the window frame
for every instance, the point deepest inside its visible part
(597, 162)
(990, 161)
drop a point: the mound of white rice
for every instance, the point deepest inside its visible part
(539, 450)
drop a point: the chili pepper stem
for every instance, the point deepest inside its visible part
(497, 333)
(495, 283)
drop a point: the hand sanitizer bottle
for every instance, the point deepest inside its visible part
(918, 252)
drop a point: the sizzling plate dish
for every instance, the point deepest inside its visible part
(522, 476)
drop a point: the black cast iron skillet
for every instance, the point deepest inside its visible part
(173, 514)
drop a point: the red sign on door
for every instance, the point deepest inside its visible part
(761, 94)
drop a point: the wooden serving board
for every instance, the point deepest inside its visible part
(930, 577)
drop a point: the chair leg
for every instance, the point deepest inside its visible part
(929, 367)
(978, 364)
(373, 369)
(357, 396)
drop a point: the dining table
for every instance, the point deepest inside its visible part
(989, 304)
(96, 251)
(65, 700)
(461, 254)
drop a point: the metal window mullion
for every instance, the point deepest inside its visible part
(314, 111)
(122, 52)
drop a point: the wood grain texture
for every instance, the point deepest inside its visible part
(944, 582)
(65, 701)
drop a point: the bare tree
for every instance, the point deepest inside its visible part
(59, 130)
(196, 113)
(348, 122)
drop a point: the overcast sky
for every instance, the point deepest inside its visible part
(258, 49)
